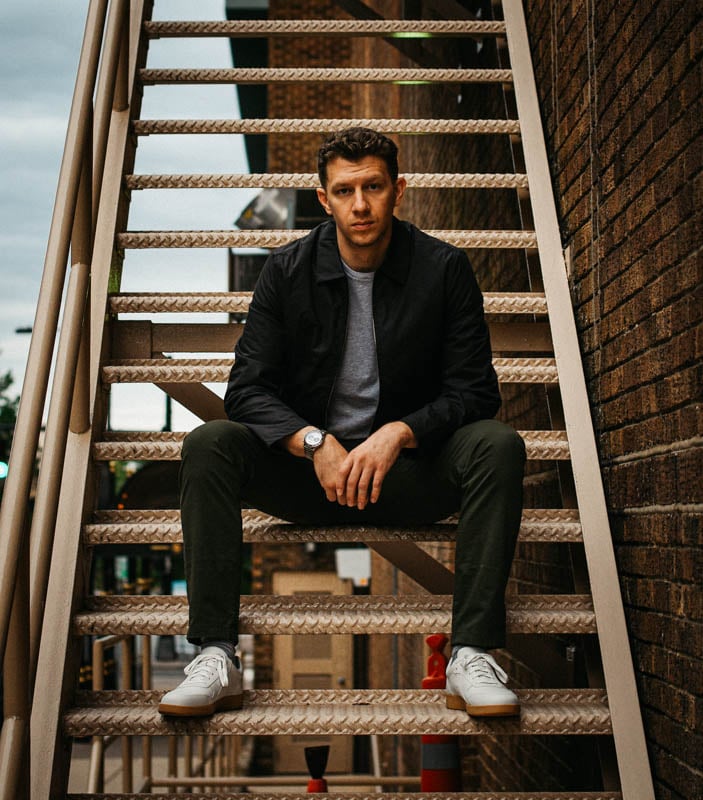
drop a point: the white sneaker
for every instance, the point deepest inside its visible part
(476, 684)
(214, 683)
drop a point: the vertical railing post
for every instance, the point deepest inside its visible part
(14, 760)
(126, 681)
(147, 771)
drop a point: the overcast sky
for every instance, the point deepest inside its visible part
(39, 51)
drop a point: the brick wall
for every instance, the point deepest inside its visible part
(620, 90)
(620, 87)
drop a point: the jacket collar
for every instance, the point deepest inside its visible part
(396, 265)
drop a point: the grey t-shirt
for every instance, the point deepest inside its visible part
(357, 389)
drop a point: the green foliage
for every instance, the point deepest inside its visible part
(8, 406)
(8, 416)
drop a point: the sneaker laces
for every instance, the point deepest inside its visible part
(201, 668)
(483, 669)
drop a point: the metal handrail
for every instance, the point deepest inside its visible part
(71, 229)
(62, 395)
(19, 477)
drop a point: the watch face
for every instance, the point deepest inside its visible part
(313, 438)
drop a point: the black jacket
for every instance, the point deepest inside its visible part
(434, 354)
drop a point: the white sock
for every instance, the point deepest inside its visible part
(227, 648)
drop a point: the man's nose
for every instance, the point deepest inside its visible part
(360, 202)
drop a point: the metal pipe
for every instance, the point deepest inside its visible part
(97, 766)
(12, 747)
(120, 100)
(41, 538)
(126, 670)
(82, 253)
(19, 478)
(173, 756)
(96, 774)
(188, 758)
(42, 533)
(16, 700)
(105, 94)
(147, 766)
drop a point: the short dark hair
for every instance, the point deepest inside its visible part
(354, 144)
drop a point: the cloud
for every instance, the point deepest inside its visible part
(39, 52)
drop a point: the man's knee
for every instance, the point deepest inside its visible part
(491, 442)
(205, 445)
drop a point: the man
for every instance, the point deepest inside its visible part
(362, 391)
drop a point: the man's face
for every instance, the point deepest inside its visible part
(361, 197)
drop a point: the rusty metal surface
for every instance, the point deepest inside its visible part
(310, 614)
(310, 180)
(138, 240)
(166, 446)
(146, 127)
(217, 370)
(342, 712)
(164, 526)
(279, 75)
(238, 302)
(322, 27)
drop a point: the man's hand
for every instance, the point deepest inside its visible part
(355, 478)
(327, 462)
(361, 474)
(327, 459)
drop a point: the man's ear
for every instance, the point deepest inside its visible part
(322, 197)
(400, 187)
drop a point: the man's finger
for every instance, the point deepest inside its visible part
(352, 485)
(378, 478)
(342, 480)
(363, 490)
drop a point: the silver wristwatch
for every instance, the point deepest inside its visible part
(313, 440)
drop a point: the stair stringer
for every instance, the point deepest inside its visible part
(55, 678)
(628, 730)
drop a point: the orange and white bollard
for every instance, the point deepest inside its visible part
(441, 759)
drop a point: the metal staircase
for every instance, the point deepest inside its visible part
(534, 337)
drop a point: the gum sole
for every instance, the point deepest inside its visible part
(232, 702)
(457, 703)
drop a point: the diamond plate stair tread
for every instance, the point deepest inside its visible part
(341, 712)
(322, 27)
(166, 446)
(259, 75)
(147, 127)
(276, 238)
(164, 526)
(310, 180)
(311, 614)
(217, 370)
(333, 795)
(238, 302)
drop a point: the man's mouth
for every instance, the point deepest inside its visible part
(362, 225)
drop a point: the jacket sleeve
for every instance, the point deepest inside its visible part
(468, 384)
(253, 391)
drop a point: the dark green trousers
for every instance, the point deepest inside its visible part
(477, 472)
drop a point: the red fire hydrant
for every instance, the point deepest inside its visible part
(441, 759)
